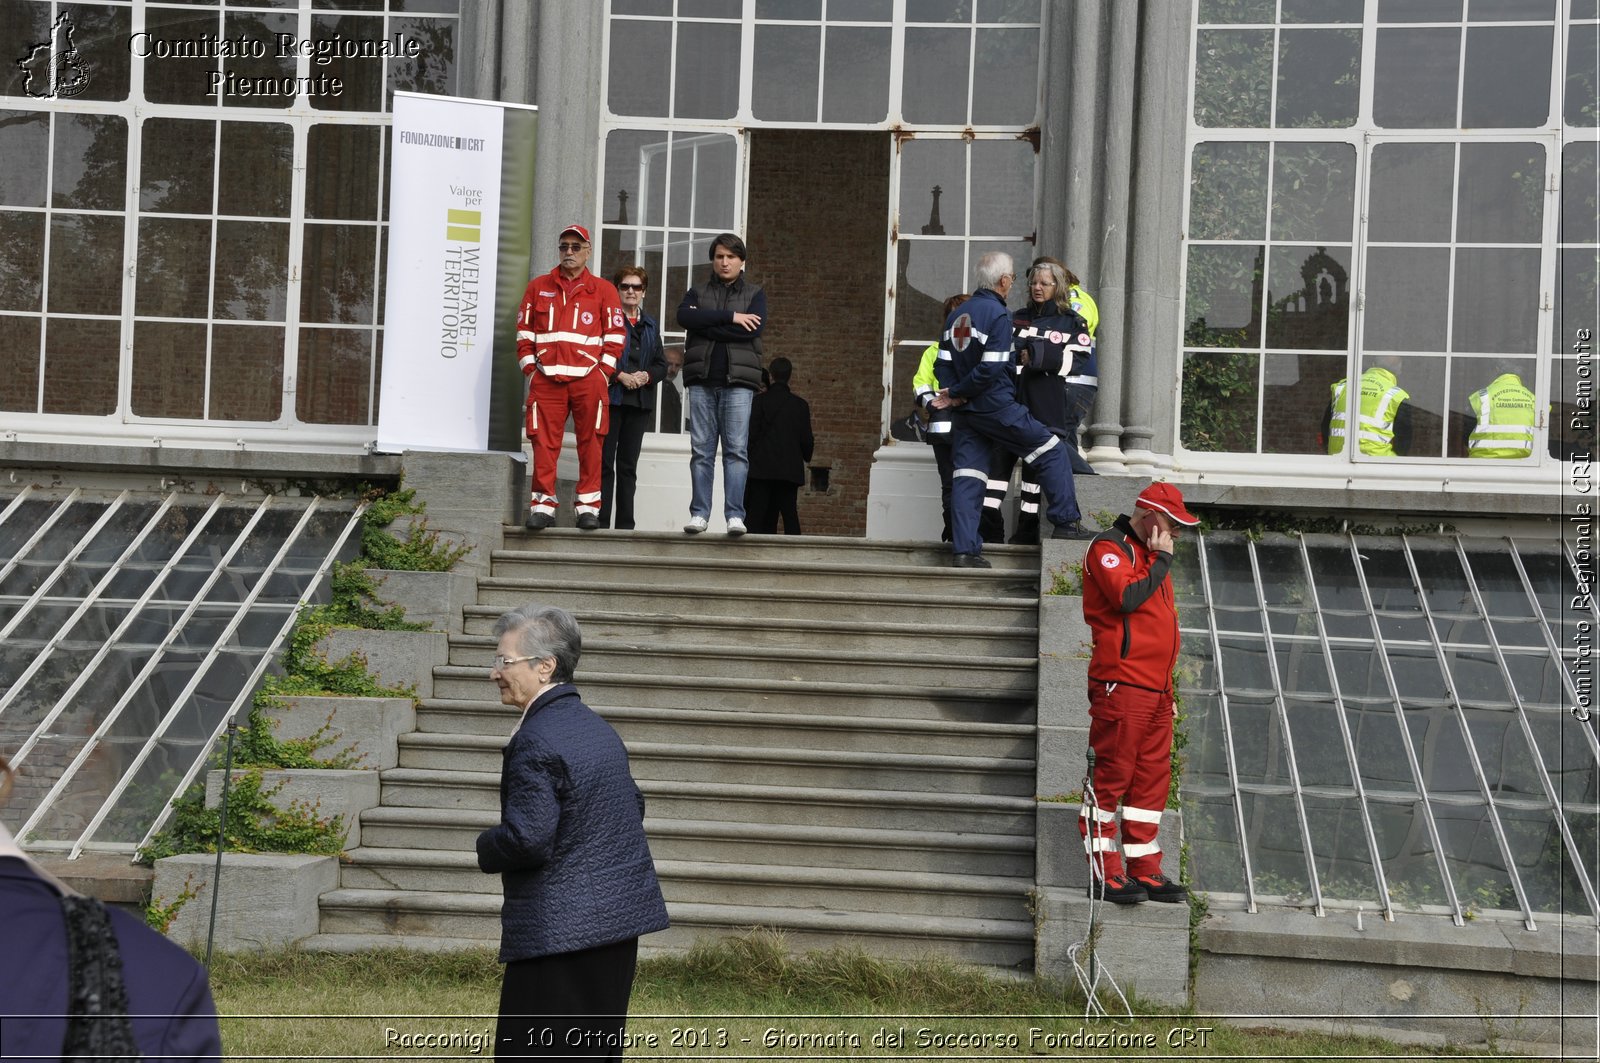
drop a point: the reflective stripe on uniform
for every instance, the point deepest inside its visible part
(1133, 852)
(1100, 815)
(1086, 381)
(1141, 815)
(1099, 843)
(976, 474)
(1031, 458)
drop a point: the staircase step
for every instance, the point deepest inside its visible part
(705, 762)
(800, 549)
(1008, 633)
(346, 944)
(790, 845)
(601, 689)
(757, 729)
(421, 870)
(853, 890)
(399, 826)
(411, 912)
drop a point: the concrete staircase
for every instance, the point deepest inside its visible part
(835, 738)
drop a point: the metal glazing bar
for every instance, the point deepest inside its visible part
(193, 684)
(89, 600)
(15, 504)
(1429, 822)
(1346, 736)
(61, 567)
(1227, 725)
(56, 514)
(149, 667)
(1473, 758)
(1545, 781)
(248, 690)
(1551, 642)
(1288, 736)
(89, 666)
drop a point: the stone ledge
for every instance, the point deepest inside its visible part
(267, 899)
(1145, 947)
(396, 658)
(332, 791)
(192, 461)
(368, 727)
(433, 598)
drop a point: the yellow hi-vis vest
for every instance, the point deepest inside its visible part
(1381, 397)
(1505, 413)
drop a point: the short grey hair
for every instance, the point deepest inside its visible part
(545, 631)
(991, 267)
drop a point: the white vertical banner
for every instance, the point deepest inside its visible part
(445, 236)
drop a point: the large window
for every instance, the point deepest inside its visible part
(1397, 184)
(195, 242)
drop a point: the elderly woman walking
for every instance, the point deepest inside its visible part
(580, 884)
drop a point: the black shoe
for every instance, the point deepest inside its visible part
(1118, 889)
(538, 521)
(968, 561)
(1075, 530)
(1163, 889)
(588, 521)
(1027, 533)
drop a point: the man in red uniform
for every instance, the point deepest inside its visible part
(1127, 601)
(569, 335)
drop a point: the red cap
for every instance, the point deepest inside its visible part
(580, 230)
(1165, 498)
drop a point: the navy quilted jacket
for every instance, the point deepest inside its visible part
(570, 845)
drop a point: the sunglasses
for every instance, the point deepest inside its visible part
(570, 246)
(630, 287)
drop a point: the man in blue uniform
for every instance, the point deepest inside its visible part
(974, 370)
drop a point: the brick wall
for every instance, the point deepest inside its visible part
(818, 201)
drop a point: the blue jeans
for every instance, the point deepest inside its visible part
(719, 414)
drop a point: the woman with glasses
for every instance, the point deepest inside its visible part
(642, 366)
(579, 882)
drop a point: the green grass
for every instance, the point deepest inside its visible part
(744, 999)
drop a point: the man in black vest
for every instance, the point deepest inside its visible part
(723, 319)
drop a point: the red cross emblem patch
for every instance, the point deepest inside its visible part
(961, 332)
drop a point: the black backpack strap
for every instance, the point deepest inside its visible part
(97, 1003)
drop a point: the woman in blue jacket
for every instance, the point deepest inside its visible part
(580, 885)
(642, 366)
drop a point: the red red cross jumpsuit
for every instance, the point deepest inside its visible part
(569, 335)
(1128, 603)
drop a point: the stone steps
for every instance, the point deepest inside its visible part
(799, 549)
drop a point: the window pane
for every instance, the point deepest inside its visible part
(640, 56)
(24, 23)
(798, 10)
(636, 169)
(933, 183)
(24, 140)
(712, 180)
(86, 264)
(242, 88)
(342, 172)
(1510, 325)
(1319, 78)
(855, 75)
(168, 79)
(1423, 378)
(1228, 191)
(1510, 82)
(21, 261)
(1583, 77)
(91, 162)
(1236, 11)
(174, 267)
(930, 271)
(1502, 194)
(246, 373)
(1407, 292)
(1308, 298)
(1468, 375)
(1578, 293)
(1218, 861)
(1232, 69)
(1277, 851)
(1005, 80)
(1342, 852)
(252, 271)
(169, 370)
(1409, 199)
(1222, 296)
(1219, 411)
(787, 61)
(1318, 744)
(1416, 75)
(706, 80)
(362, 78)
(1321, 11)
(1297, 388)
(338, 270)
(1419, 10)
(1313, 192)
(19, 363)
(78, 377)
(335, 374)
(1008, 10)
(1004, 170)
(938, 10)
(1510, 10)
(433, 71)
(1580, 192)
(257, 164)
(935, 91)
(178, 157)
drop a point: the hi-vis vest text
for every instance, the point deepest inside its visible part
(1505, 413)
(1381, 397)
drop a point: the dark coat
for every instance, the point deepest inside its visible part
(570, 846)
(641, 350)
(712, 342)
(780, 436)
(167, 991)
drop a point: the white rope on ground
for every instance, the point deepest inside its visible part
(1091, 977)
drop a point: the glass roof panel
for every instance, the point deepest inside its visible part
(1213, 837)
(1205, 757)
(1416, 673)
(1258, 741)
(1508, 762)
(1477, 677)
(1404, 846)
(1442, 751)
(1444, 583)
(1228, 565)
(1537, 679)
(1302, 667)
(19, 527)
(1277, 849)
(1499, 584)
(1360, 672)
(1244, 663)
(1319, 745)
(1337, 586)
(1388, 576)
(1474, 858)
(1283, 574)
(1340, 848)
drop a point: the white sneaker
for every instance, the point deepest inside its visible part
(736, 527)
(697, 525)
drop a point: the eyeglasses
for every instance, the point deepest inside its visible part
(566, 246)
(630, 287)
(501, 663)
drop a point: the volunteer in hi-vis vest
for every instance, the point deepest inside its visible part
(1384, 425)
(1500, 419)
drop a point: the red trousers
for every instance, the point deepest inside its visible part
(550, 400)
(1130, 731)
